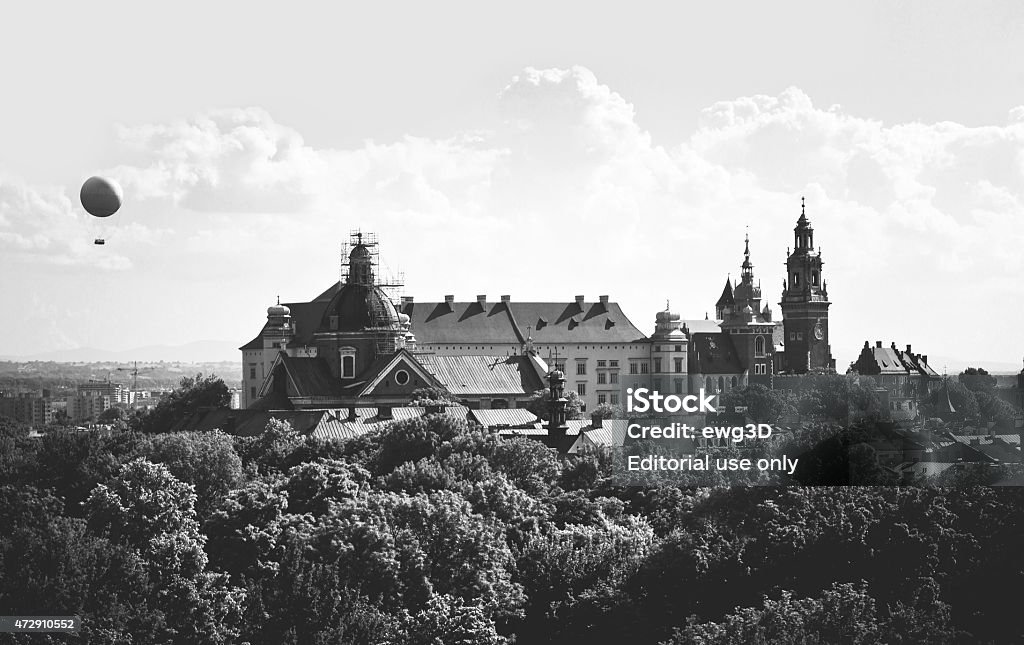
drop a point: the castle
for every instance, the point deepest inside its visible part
(354, 345)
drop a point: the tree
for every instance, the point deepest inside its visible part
(976, 379)
(607, 411)
(539, 403)
(763, 404)
(427, 396)
(207, 460)
(194, 394)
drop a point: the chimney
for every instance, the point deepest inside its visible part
(893, 346)
(352, 413)
(878, 344)
(579, 300)
(866, 345)
(925, 359)
(481, 300)
(595, 420)
(908, 349)
(384, 412)
(449, 300)
(603, 299)
(506, 298)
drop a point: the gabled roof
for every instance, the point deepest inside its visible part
(383, 366)
(476, 375)
(512, 322)
(303, 377)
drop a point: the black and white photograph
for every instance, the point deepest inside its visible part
(526, 323)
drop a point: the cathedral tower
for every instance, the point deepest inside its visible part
(805, 304)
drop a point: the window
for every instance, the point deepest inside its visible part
(600, 363)
(252, 392)
(401, 377)
(581, 389)
(759, 346)
(348, 362)
(679, 366)
(252, 371)
(792, 335)
(678, 383)
(734, 382)
(614, 398)
(796, 279)
(601, 378)
(799, 335)
(633, 368)
(814, 278)
(679, 348)
(657, 366)
(613, 378)
(643, 367)
(277, 345)
(721, 384)
(602, 399)
(613, 363)
(581, 367)
(560, 366)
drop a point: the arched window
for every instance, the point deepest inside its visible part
(721, 384)
(708, 387)
(734, 382)
(814, 278)
(759, 346)
(796, 279)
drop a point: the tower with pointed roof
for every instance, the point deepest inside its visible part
(749, 326)
(805, 304)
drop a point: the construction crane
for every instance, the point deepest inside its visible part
(134, 371)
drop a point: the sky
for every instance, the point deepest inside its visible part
(541, 150)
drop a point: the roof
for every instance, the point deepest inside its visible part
(358, 307)
(512, 322)
(510, 418)
(727, 296)
(306, 317)
(307, 376)
(474, 375)
(701, 326)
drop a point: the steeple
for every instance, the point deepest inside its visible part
(747, 267)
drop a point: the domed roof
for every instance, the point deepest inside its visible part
(359, 307)
(278, 309)
(359, 251)
(666, 316)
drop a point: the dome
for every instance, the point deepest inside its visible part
(359, 307)
(278, 310)
(359, 251)
(666, 316)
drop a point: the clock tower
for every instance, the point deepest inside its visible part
(805, 304)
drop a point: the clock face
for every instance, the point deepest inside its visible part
(818, 332)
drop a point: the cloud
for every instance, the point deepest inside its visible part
(42, 224)
(909, 215)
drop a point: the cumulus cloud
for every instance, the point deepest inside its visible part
(43, 224)
(918, 210)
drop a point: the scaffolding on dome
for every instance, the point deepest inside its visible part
(389, 284)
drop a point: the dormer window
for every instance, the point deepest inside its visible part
(348, 362)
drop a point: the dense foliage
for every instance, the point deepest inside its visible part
(432, 532)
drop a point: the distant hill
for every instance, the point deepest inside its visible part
(200, 351)
(24, 376)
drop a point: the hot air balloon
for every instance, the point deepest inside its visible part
(101, 197)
